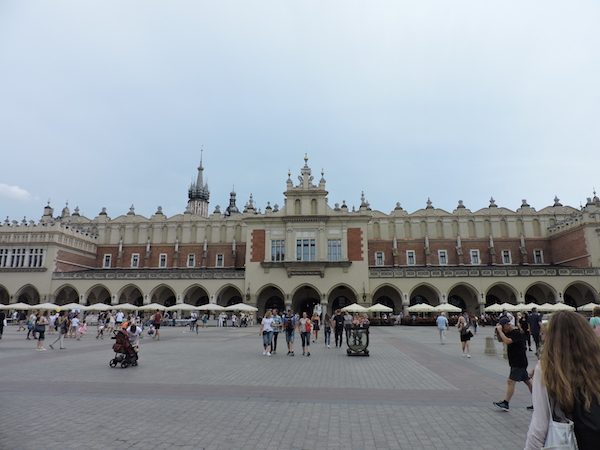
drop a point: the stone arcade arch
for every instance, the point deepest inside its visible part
(28, 294)
(464, 296)
(305, 298)
(163, 295)
(131, 294)
(196, 295)
(425, 293)
(4, 295)
(229, 295)
(66, 294)
(540, 292)
(270, 297)
(389, 296)
(579, 293)
(340, 296)
(500, 293)
(98, 294)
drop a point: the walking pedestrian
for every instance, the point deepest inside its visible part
(277, 327)
(266, 331)
(517, 359)
(338, 327)
(31, 325)
(40, 328)
(316, 325)
(535, 321)
(2, 319)
(595, 321)
(289, 324)
(465, 334)
(524, 326)
(305, 326)
(347, 325)
(566, 381)
(442, 324)
(156, 321)
(327, 330)
(62, 324)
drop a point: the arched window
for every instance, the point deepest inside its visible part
(297, 207)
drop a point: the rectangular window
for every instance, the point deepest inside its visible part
(443, 257)
(475, 261)
(538, 256)
(191, 260)
(334, 249)
(506, 257)
(411, 259)
(4, 257)
(106, 261)
(18, 257)
(379, 258)
(135, 260)
(306, 249)
(220, 260)
(162, 260)
(277, 250)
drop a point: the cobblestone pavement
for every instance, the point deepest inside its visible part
(215, 390)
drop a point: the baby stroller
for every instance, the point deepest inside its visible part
(125, 353)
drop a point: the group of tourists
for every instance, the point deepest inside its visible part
(308, 328)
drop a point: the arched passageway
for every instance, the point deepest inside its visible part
(131, 294)
(339, 297)
(424, 294)
(540, 293)
(28, 294)
(4, 296)
(464, 297)
(304, 300)
(98, 294)
(196, 295)
(229, 296)
(66, 294)
(270, 297)
(163, 295)
(578, 294)
(388, 296)
(500, 293)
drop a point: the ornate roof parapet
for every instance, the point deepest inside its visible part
(232, 208)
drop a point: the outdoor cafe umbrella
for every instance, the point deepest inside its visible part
(98, 307)
(378, 307)
(447, 307)
(18, 306)
(46, 306)
(182, 307)
(210, 307)
(151, 307)
(562, 307)
(495, 308)
(126, 307)
(510, 307)
(241, 307)
(528, 306)
(71, 306)
(421, 308)
(589, 307)
(355, 308)
(547, 307)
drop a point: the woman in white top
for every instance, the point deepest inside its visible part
(266, 331)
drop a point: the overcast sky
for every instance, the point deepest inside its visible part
(108, 103)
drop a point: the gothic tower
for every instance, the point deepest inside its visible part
(198, 195)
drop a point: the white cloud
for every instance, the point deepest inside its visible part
(14, 192)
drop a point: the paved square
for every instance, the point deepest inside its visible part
(215, 390)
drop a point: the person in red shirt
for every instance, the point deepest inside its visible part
(156, 322)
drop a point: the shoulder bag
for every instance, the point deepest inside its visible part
(561, 435)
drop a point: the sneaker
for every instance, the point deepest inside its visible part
(268, 353)
(328, 346)
(503, 405)
(530, 349)
(468, 356)
(303, 353)
(288, 353)
(264, 353)
(273, 352)
(530, 408)
(308, 354)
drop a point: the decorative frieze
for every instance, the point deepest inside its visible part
(451, 272)
(152, 274)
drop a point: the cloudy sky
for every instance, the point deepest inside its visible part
(108, 103)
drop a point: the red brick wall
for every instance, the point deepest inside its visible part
(355, 242)
(569, 248)
(107, 250)
(258, 246)
(71, 262)
(381, 246)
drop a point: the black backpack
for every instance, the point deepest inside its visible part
(289, 323)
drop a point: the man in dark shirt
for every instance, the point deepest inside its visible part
(338, 326)
(2, 318)
(517, 359)
(535, 321)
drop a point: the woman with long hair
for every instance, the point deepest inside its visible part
(567, 377)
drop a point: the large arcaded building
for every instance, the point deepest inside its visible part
(305, 252)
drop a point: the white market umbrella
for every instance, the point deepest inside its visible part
(589, 307)
(447, 307)
(182, 307)
(210, 307)
(495, 308)
(421, 308)
(98, 307)
(241, 307)
(151, 307)
(528, 306)
(562, 307)
(378, 307)
(125, 307)
(18, 306)
(46, 306)
(548, 307)
(510, 307)
(72, 306)
(355, 308)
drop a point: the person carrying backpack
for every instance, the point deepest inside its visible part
(62, 324)
(289, 325)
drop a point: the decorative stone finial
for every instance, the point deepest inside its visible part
(556, 201)
(524, 203)
(131, 210)
(461, 205)
(493, 203)
(429, 204)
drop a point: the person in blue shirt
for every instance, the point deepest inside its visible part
(442, 324)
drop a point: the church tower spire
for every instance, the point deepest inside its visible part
(198, 193)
